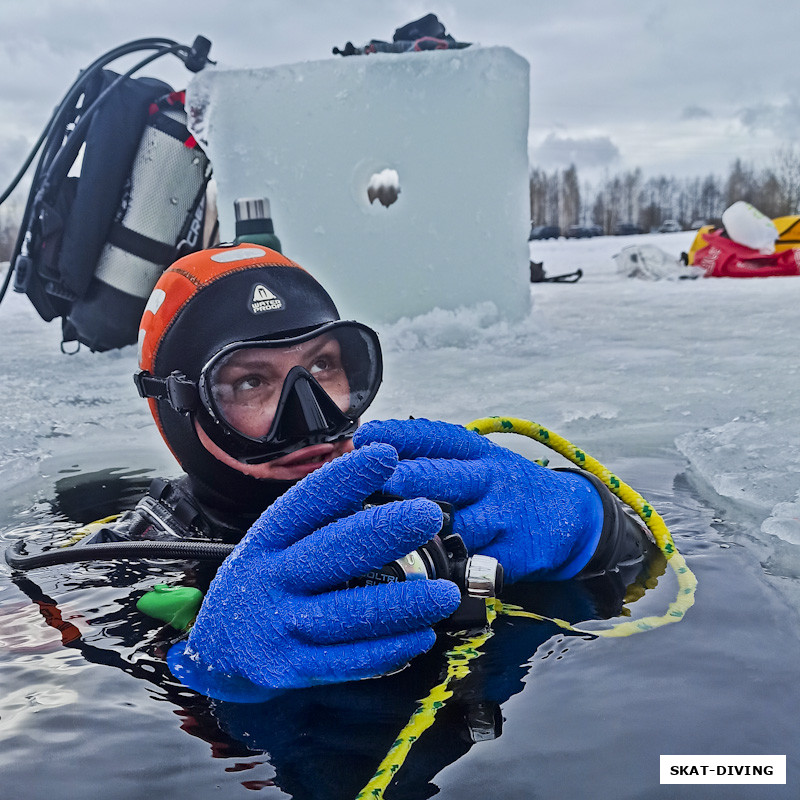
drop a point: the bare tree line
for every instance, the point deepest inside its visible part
(558, 199)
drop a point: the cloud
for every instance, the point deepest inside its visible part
(587, 152)
(695, 112)
(617, 69)
(781, 119)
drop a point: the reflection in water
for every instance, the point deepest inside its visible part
(83, 498)
(325, 743)
(20, 632)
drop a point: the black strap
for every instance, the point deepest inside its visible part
(168, 495)
(172, 127)
(177, 389)
(140, 245)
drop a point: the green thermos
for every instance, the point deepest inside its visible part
(254, 223)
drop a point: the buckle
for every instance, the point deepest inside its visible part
(180, 392)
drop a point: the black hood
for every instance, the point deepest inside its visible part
(219, 313)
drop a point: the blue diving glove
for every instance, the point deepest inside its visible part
(275, 615)
(534, 521)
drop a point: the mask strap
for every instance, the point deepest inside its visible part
(177, 389)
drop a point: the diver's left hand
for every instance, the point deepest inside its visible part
(534, 521)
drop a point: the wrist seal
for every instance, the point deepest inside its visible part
(622, 539)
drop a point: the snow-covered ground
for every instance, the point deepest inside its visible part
(706, 367)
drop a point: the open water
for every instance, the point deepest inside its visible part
(88, 708)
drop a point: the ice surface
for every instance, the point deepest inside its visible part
(699, 377)
(741, 460)
(452, 125)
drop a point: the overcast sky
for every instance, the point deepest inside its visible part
(674, 87)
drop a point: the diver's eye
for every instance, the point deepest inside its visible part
(320, 365)
(250, 389)
(247, 383)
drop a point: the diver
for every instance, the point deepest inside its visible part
(257, 387)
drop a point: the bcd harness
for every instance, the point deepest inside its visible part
(169, 513)
(118, 194)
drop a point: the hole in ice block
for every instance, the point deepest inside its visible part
(384, 186)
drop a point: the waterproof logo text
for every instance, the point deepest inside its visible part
(264, 300)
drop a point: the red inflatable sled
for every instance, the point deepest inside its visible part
(721, 257)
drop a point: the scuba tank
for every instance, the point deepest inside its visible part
(159, 219)
(117, 195)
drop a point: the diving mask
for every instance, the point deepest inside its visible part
(261, 399)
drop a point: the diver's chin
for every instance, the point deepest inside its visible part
(291, 467)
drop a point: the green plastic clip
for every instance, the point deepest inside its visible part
(175, 605)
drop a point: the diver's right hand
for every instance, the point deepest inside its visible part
(274, 614)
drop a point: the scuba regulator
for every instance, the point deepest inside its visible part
(444, 556)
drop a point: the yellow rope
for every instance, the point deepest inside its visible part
(459, 657)
(687, 583)
(91, 527)
(423, 717)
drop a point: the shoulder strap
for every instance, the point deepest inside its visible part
(171, 511)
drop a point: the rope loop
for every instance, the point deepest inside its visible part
(459, 658)
(687, 582)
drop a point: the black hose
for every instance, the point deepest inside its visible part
(74, 92)
(53, 134)
(67, 153)
(140, 549)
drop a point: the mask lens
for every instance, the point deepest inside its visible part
(244, 384)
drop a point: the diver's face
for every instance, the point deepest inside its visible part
(247, 385)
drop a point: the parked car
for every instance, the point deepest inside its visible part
(545, 232)
(579, 232)
(626, 229)
(669, 226)
(697, 224)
